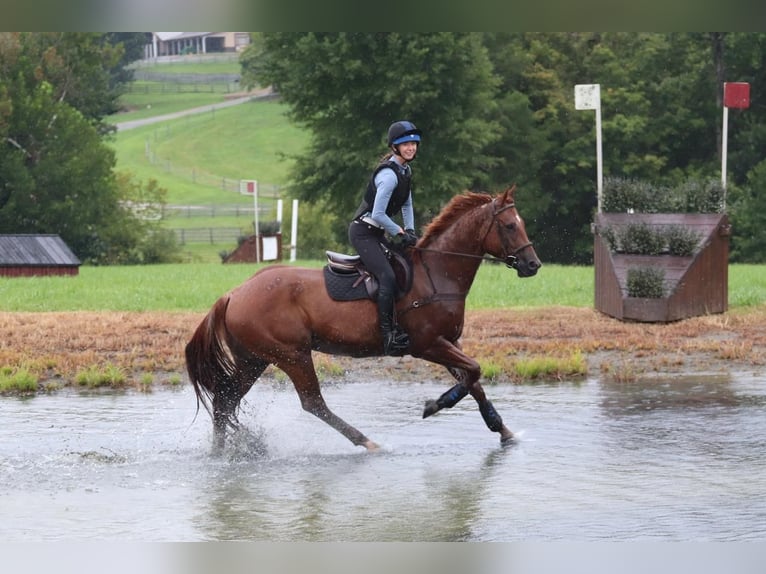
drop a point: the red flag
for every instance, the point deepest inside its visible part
(736, 95)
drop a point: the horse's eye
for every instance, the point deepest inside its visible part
(510, 226)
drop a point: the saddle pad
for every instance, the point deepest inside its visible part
(340, 286)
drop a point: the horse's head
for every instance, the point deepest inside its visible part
(506, 237)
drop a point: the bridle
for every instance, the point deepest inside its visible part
(511, 259)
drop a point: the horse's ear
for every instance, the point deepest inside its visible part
(508, 195)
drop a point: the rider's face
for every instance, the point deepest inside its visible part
(408, 150)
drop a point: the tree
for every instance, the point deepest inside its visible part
(56, 172)
(347, 88)
(498, 108)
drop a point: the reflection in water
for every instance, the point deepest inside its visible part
(386, 496)
(680, 459)
(681, 392)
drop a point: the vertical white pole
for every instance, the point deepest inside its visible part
(599, 158)
(294, 231)
(724, 145)
(588, 97)
(255, 217)
(279, 215)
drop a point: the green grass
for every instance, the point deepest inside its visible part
(17, 380)
(140, 105)
(747, 285)
(497, 286)
(216, 65)
(107, 376)
(547, 368)
(195, 286)
(250, 141)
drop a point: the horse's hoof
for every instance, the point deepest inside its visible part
(507, 440)
(371, 446)
(431, 408)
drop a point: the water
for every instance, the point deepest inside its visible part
(672, 460)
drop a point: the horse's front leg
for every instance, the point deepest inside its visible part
(491, 417)
(467, 372)
(451, 397)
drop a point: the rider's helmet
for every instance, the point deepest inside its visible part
(403, 131)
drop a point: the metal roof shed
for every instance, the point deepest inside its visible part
(31, 255)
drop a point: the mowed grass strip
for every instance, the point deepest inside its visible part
(195, 286)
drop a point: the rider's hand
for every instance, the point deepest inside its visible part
(404, 240)
(411, 232)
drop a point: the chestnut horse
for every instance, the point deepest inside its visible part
(282, 313)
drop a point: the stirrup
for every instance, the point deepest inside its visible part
(396, 343)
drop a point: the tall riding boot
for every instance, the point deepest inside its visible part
(395, 341)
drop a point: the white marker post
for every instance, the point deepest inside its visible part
(294, 231)
(735, 95)
(588, 97)
(255, 218)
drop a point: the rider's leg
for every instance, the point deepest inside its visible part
(366, 239)
(395, 340)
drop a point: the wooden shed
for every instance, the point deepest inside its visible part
(695, 285)
(269, 248)
(30, 255)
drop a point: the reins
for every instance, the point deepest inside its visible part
(490, 258)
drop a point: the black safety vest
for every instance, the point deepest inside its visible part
(398, 197)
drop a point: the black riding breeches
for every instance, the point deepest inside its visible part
(366, 239)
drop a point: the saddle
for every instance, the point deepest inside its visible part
(347, 279)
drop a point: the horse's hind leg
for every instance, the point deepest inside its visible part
(228, 395)
(304, 378)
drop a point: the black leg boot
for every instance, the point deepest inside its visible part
(395, 342)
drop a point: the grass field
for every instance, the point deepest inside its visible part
(249, 141)
(195, 286)
(138, 105)
(200, 159)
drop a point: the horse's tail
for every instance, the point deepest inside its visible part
(209, 360)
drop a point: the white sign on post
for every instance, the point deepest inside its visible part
(588, 97)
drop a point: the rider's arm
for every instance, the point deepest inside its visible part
(408, 213)
(385, 183)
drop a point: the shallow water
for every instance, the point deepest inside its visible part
(680, 459)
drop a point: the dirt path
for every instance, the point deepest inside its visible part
(232, 100)
(56, 346)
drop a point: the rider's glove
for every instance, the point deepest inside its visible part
(404, 240)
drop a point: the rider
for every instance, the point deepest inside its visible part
(388, 192)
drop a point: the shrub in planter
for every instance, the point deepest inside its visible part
(646, 282)
(698, 196)
(681, 240)
(645, 239)
(642, 239)
(624, 195)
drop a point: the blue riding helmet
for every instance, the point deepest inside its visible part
(403, 131)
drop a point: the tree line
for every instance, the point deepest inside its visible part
(57, 173)
(497, 109)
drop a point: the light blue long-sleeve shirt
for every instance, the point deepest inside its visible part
(385, 184)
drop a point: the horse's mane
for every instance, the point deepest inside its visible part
(458, 205)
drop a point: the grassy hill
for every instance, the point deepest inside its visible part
(200, 158)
